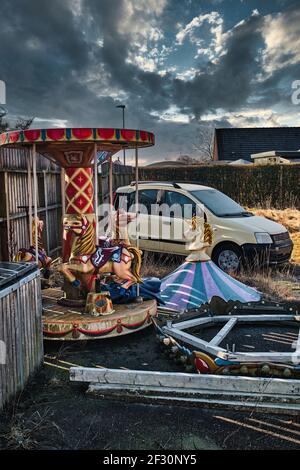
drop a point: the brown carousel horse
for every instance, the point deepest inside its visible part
(29, 255)
(115, 256)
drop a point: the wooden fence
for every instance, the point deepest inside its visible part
(122, 176)
(21, 340)
(14, 220)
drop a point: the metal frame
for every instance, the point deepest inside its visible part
(212, 346)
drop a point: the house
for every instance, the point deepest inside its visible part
(276, 157)
(240, 143)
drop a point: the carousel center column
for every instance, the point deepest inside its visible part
(79, 216)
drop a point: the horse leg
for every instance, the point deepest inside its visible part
(122, 270)
(70, 270)
(66, 272)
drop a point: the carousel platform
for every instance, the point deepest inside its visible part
(71, 323)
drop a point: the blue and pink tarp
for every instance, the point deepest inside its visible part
(195, 283)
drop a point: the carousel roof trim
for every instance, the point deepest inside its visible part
(127, 138)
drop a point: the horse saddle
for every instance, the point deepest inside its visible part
(103, 255)
(42, 255)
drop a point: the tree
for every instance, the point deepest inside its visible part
(187, 159)
(3, 122)
(21, 122)
(205, 142)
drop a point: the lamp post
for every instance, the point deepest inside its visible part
(122, 106)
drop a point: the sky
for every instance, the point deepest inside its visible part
(177, 65)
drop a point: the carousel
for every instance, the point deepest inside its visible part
(103, 294)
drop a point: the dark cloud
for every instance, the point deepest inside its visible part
(227, 84)
(71, 61)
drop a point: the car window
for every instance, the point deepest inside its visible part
(148, 197)
(184, 206)
(219, 204)
(124, 201)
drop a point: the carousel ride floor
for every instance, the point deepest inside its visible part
(61, 322)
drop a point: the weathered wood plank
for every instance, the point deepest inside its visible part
(186, 381)
(195, 398)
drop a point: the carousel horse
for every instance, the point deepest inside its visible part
(199, 236)
(29, 254)
(87, 261)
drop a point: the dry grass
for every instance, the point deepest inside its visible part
(289, 218)
(23, 432)
(276, 285)
(159, 265)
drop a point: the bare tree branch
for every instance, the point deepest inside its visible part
(21, 123)
(205, 143)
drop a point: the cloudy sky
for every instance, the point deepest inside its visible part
(175, 64)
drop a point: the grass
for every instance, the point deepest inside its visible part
(159, 265)
(23, 432)
(276, 285)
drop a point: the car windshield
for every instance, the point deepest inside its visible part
(220, 204)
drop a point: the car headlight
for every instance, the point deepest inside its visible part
(263, 237)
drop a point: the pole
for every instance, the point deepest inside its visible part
(35, 195)
(124, 158)
(110, 186)
(9, 241)
(137, 205)
(96, 192)
(122, 106)
(63, 191)
(29, 182)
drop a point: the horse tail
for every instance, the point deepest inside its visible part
(136, 262)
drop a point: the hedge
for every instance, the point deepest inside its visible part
(275, 186)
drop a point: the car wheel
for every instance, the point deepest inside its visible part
(227, 257)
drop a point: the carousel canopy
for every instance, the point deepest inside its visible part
(193, 284)
(76, 146)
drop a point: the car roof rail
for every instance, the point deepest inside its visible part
(170, 183)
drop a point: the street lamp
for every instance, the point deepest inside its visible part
(122, 106)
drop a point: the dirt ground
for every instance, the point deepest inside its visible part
(53, 413)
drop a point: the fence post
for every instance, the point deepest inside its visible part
(45, 175)
(9, 247)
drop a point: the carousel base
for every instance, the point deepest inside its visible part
(62, 323)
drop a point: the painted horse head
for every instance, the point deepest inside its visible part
(78, 224)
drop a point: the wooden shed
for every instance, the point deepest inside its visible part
(21, 340)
